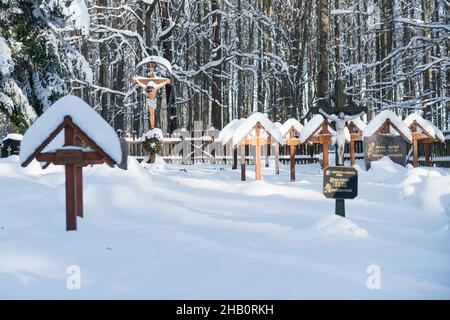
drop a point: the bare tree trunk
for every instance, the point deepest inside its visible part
(322, 53)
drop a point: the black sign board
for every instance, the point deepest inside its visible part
(10, 147)
(380, 145)
(340, 182)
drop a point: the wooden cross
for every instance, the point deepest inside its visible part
(257, 141)
(74, 158)
(423, 137)
(292, 142)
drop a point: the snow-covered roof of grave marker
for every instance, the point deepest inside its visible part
(83, 116)
(311, 127)
(286, 127)
(248, 124)
(226, 134)
(376, 123)
(156, 59)
(13, 136)
(358, 124)
(425, 125)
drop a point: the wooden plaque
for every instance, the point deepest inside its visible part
(69, 157)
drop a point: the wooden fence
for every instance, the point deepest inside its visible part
(305, 154)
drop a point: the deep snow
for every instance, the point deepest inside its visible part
(193, 232)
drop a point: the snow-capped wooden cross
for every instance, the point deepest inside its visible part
(72, 134)
(256, 130)
(425, 132)
(289, 130)
(317, 130)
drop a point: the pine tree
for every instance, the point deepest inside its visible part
(36, 62)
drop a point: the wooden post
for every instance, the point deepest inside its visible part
(276, 148)
(242, 147)
(415, 146)
(325, 161)
(78, 184)
(292, 154)
(152, 120)
(427, 147)
(258, 152)
(71, 219)
(234, 167)
(352, 152)
(415, 153)
(268, 151)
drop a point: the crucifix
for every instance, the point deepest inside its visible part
(340, 123)
(151, 85)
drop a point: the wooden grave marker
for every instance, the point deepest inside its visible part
(79, 150)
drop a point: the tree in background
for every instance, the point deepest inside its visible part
(36, 62)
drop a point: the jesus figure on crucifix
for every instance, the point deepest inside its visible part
(151, 85)
(340, 122)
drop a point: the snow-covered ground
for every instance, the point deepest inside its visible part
(198, 232)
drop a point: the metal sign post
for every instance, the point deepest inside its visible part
(340, 183)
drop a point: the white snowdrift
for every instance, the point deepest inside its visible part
(197, 232)
(337, 226)
(83, 116)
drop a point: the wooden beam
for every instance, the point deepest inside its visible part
(79, 183)
(324, 140)
(45, 142)
(269, 142)
(242, 149)
(292, 156)
(71, 220)
(258, 152)
(427, 147)
(352, 152)
(235, 154)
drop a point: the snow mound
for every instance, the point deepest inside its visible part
(435, 195)
(385, 170)
(83, 116)
(338, 226)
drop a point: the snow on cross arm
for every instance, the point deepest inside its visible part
(381, 118)
(158, 60)
(248, 124)
(83, 116)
